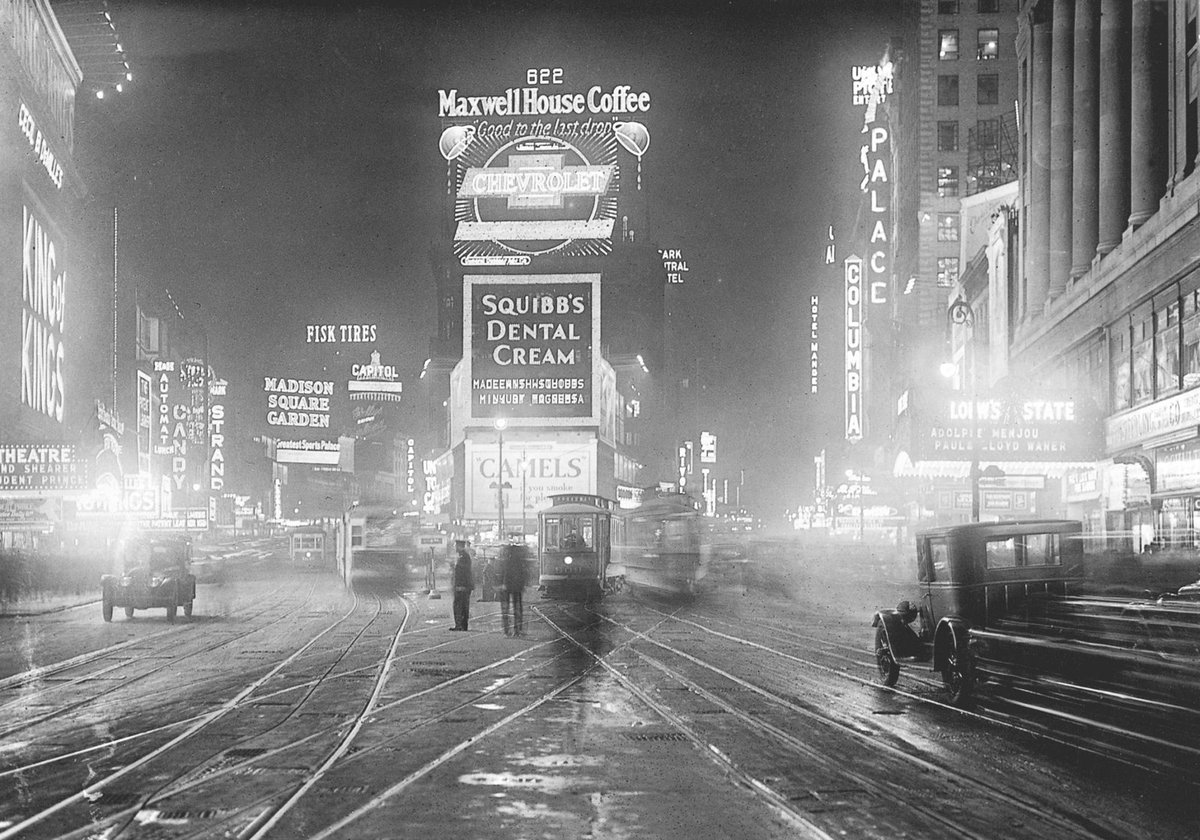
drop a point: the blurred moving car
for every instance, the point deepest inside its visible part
(209, 568)
(154, 572)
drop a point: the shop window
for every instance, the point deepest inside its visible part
(1143, 361)
(1191, 339)
(948, 45)
(1118, 352)
(987, 7)
(947, 135)
(947, 271)
(947, 227)
(947, 94)
(1166, 349)
(988, 45)
(947, 183)
(987, 88)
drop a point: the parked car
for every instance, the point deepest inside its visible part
(970, 579)
(154, 572)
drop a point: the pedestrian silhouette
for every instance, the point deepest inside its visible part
(463, 581)
(513, 572)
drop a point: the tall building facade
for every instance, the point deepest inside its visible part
(1107, 299)
(550, 302)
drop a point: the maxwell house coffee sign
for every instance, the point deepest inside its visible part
(532, 344)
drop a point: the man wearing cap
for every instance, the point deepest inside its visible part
(463, 582)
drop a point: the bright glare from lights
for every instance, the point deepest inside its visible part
(99, 94)
(567, 561)
(129, 77)
(500, 423)
(120, 88)
(948, 369)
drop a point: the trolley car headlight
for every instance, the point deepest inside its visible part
(567, 561)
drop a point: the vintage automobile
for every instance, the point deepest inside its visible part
(971, 579)
(154, 573)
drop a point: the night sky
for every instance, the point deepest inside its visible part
(280, 167)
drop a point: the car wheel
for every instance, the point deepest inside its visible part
(958, 676)
(129, 612)
(107, 607)
(187, 609)
(889, 669)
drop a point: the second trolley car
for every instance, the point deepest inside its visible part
(664, 547)
(574, 546)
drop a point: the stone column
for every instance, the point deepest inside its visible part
(1114, 123)
(1062, 87)
(1037, 252)
(1085, 162)
(1147, 106)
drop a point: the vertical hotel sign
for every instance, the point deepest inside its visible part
(854, 349)
(532, 345)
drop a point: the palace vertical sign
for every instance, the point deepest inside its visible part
(876, 184)
(854, 348)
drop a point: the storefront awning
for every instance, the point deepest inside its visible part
(905, 467)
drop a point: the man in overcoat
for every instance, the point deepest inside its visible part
(512, 586)
(463, 581)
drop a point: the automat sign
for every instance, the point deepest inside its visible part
(531, 345)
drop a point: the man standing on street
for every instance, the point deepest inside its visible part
(512, 586)
(463, 581)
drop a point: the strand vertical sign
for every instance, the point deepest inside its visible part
(854, 349)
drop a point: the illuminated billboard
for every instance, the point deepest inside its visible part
(535, 470)
(43, 309)
(854, 348)
(42, 468)
(530, 344)
(535, 170)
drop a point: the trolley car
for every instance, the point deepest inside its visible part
(664, 544)
(574, 547)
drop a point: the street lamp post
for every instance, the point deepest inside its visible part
(501, 424)
(960, 313)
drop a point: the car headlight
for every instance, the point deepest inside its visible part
(567, 561)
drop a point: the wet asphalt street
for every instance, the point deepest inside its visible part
(293, 706)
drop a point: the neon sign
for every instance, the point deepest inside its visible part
(875, 157)
(43, 299)
(813, 345)
(854, 353)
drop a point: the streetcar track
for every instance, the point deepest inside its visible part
(63, 710)
(207, 775)
(203, 721)
(994, 713)
(1041, 810)
(446, 755)
(772, 798)
(882, 790)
